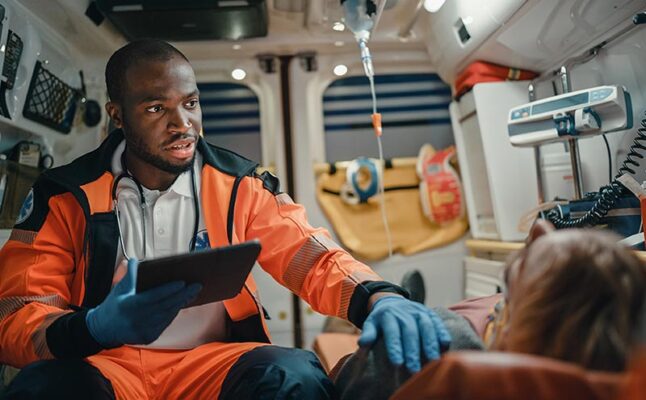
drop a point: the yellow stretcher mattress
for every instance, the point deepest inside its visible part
(360, 228)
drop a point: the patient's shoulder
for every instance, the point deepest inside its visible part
(478, 311)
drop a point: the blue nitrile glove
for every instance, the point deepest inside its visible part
(126, 317)
(404, 324)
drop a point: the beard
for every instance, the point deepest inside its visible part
(143, 151)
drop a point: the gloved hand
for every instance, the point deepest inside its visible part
(404, 324)
(126, 317)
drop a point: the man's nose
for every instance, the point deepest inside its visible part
(180, 122)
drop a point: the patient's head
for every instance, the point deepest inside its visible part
(574, 295)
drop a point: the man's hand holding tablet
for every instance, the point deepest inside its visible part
(163, 287)
(221, 271)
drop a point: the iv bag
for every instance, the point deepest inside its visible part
(357, 18)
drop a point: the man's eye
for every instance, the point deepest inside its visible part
(192, 103)
(154, 109)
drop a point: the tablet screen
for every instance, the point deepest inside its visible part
(222, 271)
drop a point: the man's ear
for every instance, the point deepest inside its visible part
(115, 112)
(540, 228)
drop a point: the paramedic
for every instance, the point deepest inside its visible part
(69, 314)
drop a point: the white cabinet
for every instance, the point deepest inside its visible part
(482, 277)
(484, 266)
(499, 180)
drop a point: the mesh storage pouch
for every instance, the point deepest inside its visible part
(50, 101)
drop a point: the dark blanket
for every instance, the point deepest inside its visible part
(368, 374)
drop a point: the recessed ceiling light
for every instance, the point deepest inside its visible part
(236, 47)
(339, 43)
(338, 26)
(340, 70)
(238, 74)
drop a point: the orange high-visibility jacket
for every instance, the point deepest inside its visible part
(59, 260)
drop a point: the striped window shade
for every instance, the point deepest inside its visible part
(231, 117)
(414, 108)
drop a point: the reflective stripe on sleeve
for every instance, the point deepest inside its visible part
(302, 262)
(347, 289)
(9, 305)
(23, 236)
(305, 259)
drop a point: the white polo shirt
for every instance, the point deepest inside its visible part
(170, 220)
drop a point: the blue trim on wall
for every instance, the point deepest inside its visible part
(229, 100)
(389, 95)
(384, 110)
(219, 115)
(409, 105)
(229, 130)
(393, 124)
(235, 122)
(385, 80)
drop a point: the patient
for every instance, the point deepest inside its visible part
(572, 295)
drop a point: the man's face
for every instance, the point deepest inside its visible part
(160, 113)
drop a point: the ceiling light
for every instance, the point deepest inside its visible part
(340, 70)
(338, 26)
(238, 74)
(236, 47)
(433, 5)
(338, 43)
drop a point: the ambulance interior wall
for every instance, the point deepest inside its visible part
(442, 268)
(621, 63)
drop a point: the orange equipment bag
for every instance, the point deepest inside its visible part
(482, 71)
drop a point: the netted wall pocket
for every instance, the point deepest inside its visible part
(50, 101)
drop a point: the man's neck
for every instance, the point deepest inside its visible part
(148, 175)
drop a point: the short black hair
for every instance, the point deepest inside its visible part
(131, 54)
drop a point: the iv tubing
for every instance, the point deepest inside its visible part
(366, 60)
(382, 197)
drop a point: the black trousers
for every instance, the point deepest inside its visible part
(267, 372)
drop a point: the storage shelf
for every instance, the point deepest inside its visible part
(492, 246)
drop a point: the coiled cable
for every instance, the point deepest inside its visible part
(609, 194)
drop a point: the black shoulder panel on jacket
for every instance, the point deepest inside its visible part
(66, 178)
(103, 246)
(224, 160)
(269, 182)
(89, 167)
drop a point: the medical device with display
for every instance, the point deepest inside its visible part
(571, 115)
(575, 115)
